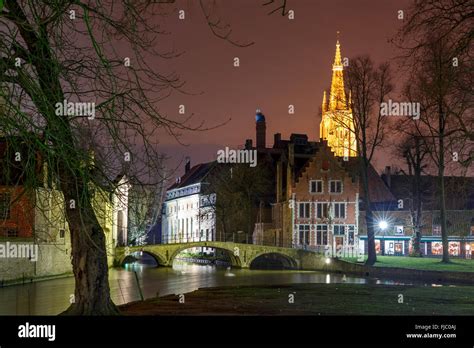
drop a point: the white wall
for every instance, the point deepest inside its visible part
(184, 220)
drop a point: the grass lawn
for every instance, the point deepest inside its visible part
(313, 299)
(424, 263)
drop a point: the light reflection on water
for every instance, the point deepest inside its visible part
(52, 296)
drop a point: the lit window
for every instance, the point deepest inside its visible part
(436, 248)
(399, 230)
(454, 248)
(350, 234)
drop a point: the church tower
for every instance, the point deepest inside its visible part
(337, 123)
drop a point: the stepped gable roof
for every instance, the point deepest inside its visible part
(378, 190)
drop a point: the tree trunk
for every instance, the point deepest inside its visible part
(89, 257)
(372, 255)
(444, 227)
(369, 218)
(417, 205)
(416, 242)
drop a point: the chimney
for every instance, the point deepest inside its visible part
(187, 166)
(276, 139)
(388, 176)
(248, 144)
(261, 130)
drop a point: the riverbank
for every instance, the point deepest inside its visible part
(422, 263)
(313, 299)
(393, 267)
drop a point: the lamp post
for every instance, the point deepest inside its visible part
(383, 225)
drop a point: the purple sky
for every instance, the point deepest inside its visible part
(289, 63)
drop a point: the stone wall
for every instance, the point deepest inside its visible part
(52, 260)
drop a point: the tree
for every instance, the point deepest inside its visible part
(79, 92)
(411, 150)
(437, 44)
(144, 206)
(369, 87)
(239, 190)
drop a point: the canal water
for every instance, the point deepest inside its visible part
(51, 297)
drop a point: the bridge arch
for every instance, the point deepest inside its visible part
(235, 260)
(272, 259)
(159, 259)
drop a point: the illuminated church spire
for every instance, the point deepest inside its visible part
(325, 103)
(337, 98)
(337, 124)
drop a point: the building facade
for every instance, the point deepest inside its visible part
(37, 217)
(394, 225)
(188, 210)
(325, 203)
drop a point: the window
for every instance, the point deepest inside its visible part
(436, 230)
(11, 233)
(454, 248)
(436, 248)
(350, 234)
(335, 186)
(338, 230)
(5, 200)
(321, 234)
(340, 210)
(303, 210)
(316, 186)
(321, 210)
(303, 235)
(399, 230)
(61, 233)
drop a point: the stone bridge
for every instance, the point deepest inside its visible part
(241, 255)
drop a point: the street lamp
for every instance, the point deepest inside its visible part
(383, 224)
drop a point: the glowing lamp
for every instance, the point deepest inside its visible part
(383, 225)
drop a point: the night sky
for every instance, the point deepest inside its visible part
(289, 63)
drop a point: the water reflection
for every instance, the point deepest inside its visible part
(52, 297)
